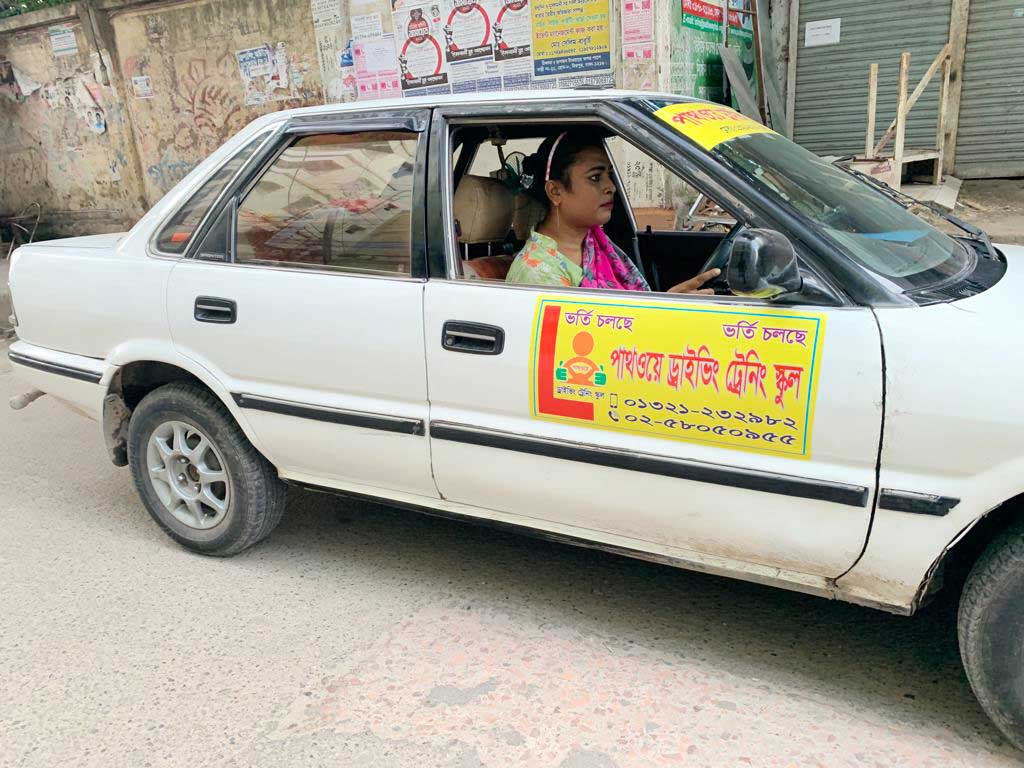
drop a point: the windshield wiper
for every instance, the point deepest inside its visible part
(906, 201)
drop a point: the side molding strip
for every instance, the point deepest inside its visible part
(785, 485)
(916, 503)
(332, 415)
(62, 370)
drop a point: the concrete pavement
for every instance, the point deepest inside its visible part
(361, 635)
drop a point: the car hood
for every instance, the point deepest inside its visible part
(1002, 301)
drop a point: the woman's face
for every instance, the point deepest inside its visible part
(590, 195)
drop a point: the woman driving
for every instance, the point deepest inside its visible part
(572, 178)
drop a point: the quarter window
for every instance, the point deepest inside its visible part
(175, 236)
(333, 201)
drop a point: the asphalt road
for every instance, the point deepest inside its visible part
(361, 635)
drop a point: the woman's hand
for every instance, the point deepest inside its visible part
(693, 285)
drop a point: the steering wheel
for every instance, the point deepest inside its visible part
(720, 259)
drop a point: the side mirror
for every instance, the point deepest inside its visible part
(762, 264)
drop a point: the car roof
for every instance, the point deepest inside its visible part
(463, 99)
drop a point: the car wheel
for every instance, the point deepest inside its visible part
(991, 632)
(198, 475)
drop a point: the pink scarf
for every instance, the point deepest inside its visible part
(605, 267)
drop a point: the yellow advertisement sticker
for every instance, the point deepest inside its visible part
(709, 124)
(735, 378)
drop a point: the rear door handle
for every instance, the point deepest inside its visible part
(210, 309)
(473, 338)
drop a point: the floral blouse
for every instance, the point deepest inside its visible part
(541, 263)
(604, 265)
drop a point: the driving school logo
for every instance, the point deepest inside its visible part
(737, 379)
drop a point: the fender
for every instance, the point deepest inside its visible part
(116, 412)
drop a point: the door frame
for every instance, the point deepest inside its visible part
(412, 119)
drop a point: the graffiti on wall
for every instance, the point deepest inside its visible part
(208, 105)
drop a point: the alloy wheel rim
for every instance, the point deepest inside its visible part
(187, 472)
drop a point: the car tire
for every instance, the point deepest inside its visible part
(990, 627)
(198, 475)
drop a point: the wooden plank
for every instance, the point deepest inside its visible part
(948, 192)
(901, 122)
(940, 131)
(928, 75)
(958, 46)
(916, 156)
(762, 102)
(794, 36)
(869, 138)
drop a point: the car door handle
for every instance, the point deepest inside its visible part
(473, 338)
(210, 309)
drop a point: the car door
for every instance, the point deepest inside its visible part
(705, 427)
(304, 296)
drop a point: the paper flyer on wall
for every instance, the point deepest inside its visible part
(330, 25)
(571, 37)
(468, 29)
(513, 44)
(637, 21)
(264, 72)
(469, 45)
(419, 45)
(376, 70)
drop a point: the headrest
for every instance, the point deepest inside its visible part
(483, 209)
(526, 215)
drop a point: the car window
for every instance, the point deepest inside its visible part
(175, 235)
(333, 201)
(487, 161)
(659, 198)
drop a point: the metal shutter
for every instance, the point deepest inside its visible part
(990, 137)
(830, 117)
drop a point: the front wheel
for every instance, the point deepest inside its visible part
(991, 632)
(199, 477)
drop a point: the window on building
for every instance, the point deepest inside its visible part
(333, 201)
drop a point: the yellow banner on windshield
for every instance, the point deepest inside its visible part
(709, 124)
(736, 378)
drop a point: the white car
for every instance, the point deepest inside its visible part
(321, 302)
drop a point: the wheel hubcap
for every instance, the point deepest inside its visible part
(187, 473)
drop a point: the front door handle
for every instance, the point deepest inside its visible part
(210, 309)
(473, 338)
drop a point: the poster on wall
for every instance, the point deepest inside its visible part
(62, 40)
(513, 44)
(330, 25)
(376, 70)
(637, 22)
(468, 30)
(697, 31)
(265, 74)
(469, 45)
(419, 34)
(571, 37)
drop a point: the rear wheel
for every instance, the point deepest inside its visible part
(200, 478)
(991, 631)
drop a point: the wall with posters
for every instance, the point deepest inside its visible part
(183, 75)
(198, 71)
(64, 138)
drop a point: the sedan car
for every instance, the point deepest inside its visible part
(322, 302)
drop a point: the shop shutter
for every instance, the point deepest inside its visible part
(990, 137)
(830, 117)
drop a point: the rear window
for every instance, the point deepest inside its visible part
(175, 235)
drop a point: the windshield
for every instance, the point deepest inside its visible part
(874, 229)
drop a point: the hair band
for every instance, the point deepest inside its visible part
(551, 155)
